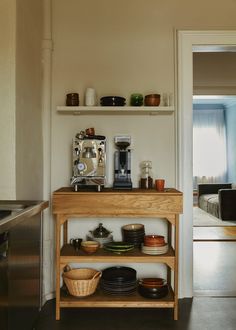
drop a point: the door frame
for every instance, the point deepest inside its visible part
(185, 41)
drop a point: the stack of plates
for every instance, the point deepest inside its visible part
(118, 247)
(119, 280)
(155, 250)
(153, 287)
(154, 244)
(133, 233)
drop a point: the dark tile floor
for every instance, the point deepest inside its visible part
(194, 314)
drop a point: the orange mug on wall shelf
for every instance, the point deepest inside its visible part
(160, 184)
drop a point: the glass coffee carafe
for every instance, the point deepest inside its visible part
(146, 181)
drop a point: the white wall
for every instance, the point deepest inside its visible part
(7, 99)
(29, 147)
(120, 48)
(20, 93)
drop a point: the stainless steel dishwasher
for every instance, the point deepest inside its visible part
(20, 265)
(3, 280)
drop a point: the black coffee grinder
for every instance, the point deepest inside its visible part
(122, 163)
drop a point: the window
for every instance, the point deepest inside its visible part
(209, 146)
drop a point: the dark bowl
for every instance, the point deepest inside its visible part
(153, 293)
(119, 273)
(112, 101)
(135, 234)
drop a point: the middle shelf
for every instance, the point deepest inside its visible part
(70, 255)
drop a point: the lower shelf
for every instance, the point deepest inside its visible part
(99, 299)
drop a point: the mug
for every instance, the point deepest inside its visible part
(76, 242)
(72, 99)
(160, 184)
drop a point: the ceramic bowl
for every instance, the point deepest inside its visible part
(90, 246)
(152, 100)
(154, 240)
(133, 226)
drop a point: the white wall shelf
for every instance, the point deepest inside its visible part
(115, 110)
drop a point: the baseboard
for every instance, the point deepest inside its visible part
(214, 293)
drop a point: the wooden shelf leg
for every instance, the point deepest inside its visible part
(58, 273)
(176, 278)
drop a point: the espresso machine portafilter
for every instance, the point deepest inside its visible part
(122, 163)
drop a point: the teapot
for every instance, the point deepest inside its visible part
(100, 232)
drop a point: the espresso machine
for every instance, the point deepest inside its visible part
(89, 161)
(122, 163)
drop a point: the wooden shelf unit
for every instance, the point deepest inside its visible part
(115, 110)
(136, 203)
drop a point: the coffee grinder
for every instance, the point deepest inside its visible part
(122, 163)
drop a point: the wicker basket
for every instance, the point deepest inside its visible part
(81, 282)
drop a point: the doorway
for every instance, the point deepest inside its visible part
(186, 40)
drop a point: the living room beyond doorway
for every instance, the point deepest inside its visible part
(214, 248)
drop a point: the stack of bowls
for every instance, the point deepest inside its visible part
(119, 280)
(153, 288)
(133, 233)
(112, 101)
(154, 244)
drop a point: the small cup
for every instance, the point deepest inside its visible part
(72, 99)
(136, 100)
(160, 184)
(76, 242)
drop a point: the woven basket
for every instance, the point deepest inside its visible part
(81, 281)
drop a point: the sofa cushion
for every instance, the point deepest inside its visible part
(210, 204)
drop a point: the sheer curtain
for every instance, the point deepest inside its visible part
(209, 147)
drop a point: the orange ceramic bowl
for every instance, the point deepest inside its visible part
(152, 100)
(154, 240)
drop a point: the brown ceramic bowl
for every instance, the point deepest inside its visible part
(152, 100)
(152, 282)
(133, 226)
(90, 246)
(154, 240)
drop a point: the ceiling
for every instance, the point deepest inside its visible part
(223, 100)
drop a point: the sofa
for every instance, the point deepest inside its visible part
(218, 199)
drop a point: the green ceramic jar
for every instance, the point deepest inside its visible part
(136, 100)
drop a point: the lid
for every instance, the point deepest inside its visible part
(100, 231)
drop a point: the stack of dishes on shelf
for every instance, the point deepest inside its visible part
(100, 240)
(154, 245)
(154, 287)
(112, 101)
(118, 247)
(119, 280)
(133, 233)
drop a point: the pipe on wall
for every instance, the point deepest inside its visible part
(47, 47)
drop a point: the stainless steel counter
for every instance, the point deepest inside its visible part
(19, 210)
(20, 263)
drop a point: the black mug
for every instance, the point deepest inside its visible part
(72, 99)
(76, 242)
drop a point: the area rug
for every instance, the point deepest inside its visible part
(204, 219)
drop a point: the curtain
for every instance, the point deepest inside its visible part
(209, 147)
